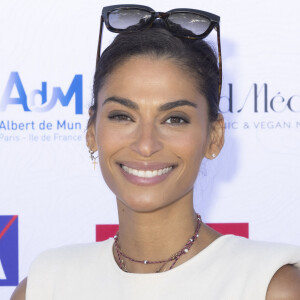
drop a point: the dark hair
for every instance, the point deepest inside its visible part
(194, 56)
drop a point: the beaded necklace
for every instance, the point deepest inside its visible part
(175, 257)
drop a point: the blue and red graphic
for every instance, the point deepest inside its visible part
(103, 232)
(9, 259)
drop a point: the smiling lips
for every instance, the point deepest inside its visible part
(146, 175)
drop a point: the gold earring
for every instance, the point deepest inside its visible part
(93, 158)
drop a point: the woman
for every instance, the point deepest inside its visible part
(153, 120)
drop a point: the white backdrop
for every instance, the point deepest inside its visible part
(46, 177)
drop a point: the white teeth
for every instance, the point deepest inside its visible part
(141, 173)
(147, 173)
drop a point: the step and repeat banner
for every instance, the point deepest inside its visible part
(51, 194)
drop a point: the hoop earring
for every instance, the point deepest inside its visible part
(213, 155)
(93, 158)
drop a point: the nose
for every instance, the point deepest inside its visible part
(146, 142)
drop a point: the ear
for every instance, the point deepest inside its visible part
(216, 139)
(91, 133)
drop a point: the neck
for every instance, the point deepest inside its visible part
(155, 235)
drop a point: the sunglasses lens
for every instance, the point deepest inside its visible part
(197, 24)
(124, 18)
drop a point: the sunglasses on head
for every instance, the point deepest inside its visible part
(197, 24)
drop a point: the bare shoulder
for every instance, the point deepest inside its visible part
(285, 284)
(20, 291)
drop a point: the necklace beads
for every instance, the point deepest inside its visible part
(174, 258)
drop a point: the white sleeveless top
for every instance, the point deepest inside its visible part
(231, 268)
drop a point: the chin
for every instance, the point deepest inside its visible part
(144, 203)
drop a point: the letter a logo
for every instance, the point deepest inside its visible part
(2, 274)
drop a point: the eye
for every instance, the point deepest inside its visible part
(176, 120)
(120, 117)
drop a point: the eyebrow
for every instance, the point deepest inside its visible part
(126, 102)
(167, 106)
(176, 103)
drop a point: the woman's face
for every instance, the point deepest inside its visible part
(152, 132)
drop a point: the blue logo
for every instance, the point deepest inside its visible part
(9, 261)
(30, 102)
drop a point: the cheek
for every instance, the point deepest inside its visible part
(111, 140)
(190, 145)
(107, 143)
(107, 136)
(190, 148)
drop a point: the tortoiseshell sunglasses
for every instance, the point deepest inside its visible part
(199, 24)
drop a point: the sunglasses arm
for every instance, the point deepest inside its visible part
(220, 61)
(99, 41)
